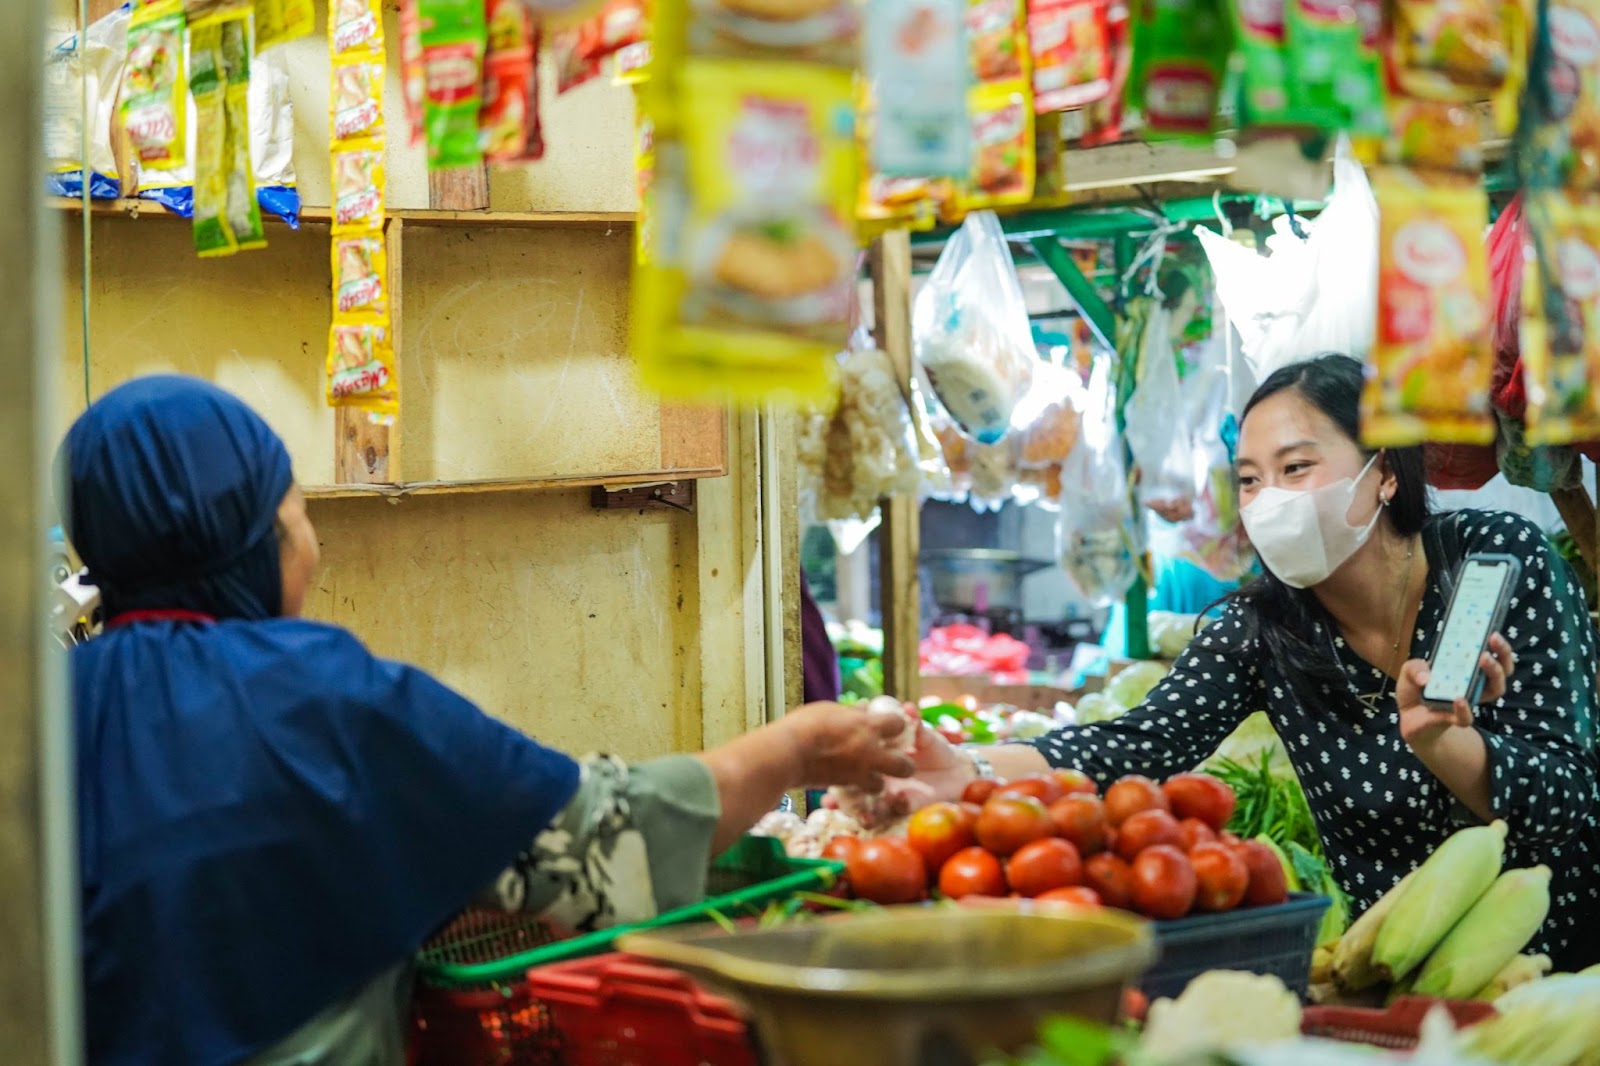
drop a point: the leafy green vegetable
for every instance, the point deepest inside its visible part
(975, 726)
(865, 681)
(1270, 804)
(1068, 1041)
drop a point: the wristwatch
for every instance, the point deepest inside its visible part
(982, 769)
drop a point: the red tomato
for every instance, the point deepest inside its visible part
(1074, 782)
(1135, 1004)
(888, 871)
(973, 810)
(1044, 789)
(1082, 820)
(1131, 795)
(1267, 882)
(1077, 895)
(1164, 884)
(1228, 838)
(1201, 796)
(839, 849)
(1008, 822)
(1195, 832)
(1220, 875)
(972, 872)
(979, 791)
(1147, 829)
(1111, 879)
(1045, 864)
(938, 831)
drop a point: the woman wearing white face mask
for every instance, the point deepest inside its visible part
(1330, 640)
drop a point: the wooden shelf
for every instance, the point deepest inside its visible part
(466, 488)
(136, 209)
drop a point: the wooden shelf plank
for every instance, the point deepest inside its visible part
(578, 219)
(464, 488)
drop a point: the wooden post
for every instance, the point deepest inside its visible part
(900, 536)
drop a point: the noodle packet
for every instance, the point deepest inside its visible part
(280, 21)
(509, 121)
(1263, 65)
(360, 273)
(1452, 51)
(244, 209)
(1560, 327)
(997, 35)
(1561, 140)
(413, 72)
(918, 114)
(1002, 132)
(213, 232)
(360, 367)
(1434, 136)
(1180, 52)
(358, 173)
(155, 101)
(1322, 41)
(1071, 45)
(580, 51)
(453, 38)
(357, 97)
(355, 27)
(1432, 361)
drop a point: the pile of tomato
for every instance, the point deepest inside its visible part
(1159, 850)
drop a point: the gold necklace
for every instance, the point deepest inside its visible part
(1371, 700)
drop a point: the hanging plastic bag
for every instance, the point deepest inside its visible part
(1213, 538)
(971, 332)
(1098, 539)
(995, 475)
(1157, 430)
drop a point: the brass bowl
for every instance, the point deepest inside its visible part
(914, 986)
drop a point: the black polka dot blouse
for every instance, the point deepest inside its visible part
(1380, 812)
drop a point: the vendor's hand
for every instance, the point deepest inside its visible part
(838, 745)
(942, 771)
(1420, 724)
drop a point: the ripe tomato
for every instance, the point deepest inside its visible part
(1195, 832)
(1077, 895)
(980, 790)
(887, 871)
(1008, 822)
(1045, 864)
(938, 831)
(1045, 789)
(1221, 876)
(1267, 882)
(972, 872)
(1074, 782)
(1111, 879)
(1082, 820)
(1230, 839)
(1147, 829)
(839, 849)
(1200, 796)
(1164, 884)
(973, 810)
(1131, 795)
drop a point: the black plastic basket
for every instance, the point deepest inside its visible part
(1277, 940)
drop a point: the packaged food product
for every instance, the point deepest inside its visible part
(1071, 43)
(453, 37)
(1101, 121)
(1264, 83)
(579, 51)
(1320, 41)
(280, 21)
(997, 35)
(360, 275)
(355, 26)
(509, 121)
(357, 97)
(200, 13)
(633, 63)
(1002, 133)
(1431, 360)
(644, 169)
(244, 207)
(808, 31)
(1453, 51)
(918, 127)
(358, 186)
(1561, 139)
(1434, 136)
(361, 367)
(213, 232)
(1180, 52)
(155, 105)
(1561, 318)
(1050, 162)
(413, 72)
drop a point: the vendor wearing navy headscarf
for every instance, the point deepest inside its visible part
(272, 819)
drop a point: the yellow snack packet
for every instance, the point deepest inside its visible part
(1560, 327)
(155, 97)
(358, 186)
(355, 27)
(748, 290)
(360, 275)
(1432, 361)
(213, 231)
(1003, 168)
(357, 97)
(281, 21)
(361, 367)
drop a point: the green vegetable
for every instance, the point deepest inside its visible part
(1070, 1041)
(1270, 804)
(979, 730)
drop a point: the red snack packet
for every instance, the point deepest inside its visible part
(509, 128)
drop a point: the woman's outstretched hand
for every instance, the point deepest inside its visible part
(1422, 725)
(839, 745)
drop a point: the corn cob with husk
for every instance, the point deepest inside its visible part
(1519, 971)
(1488, 936)
(1352, 955)
(1442, 891)
(1553, 1022)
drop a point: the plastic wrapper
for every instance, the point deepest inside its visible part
(1003, 163)
(1264, 86)
(1099, 536)
(1213, 537)
(955, 457)
(919, 113)
(358, 186)
(453, 34)
(807, 31)
(360, 370)
(1445, 50)
(1071, 45)
(995, 475)
(155, 106)
(1431, 362)
(1561, 317)
(509, 126)
(1333, 70)
(1561, 136)
(360, 275)
(355, 26)
(413, 71)
(1157, 426)
(1181, 52)
(213, 233)
(1048, 419)
(579, 51)
(357, 98)
(883, 202)
(244, 206)
(82, 76)
(997, 40)
(971, 331)
(280, 21)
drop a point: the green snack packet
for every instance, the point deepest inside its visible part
(1260, 74)
(1337, 81)
(1181, 50)
(454, 37)
(244, 210)
(213, 235)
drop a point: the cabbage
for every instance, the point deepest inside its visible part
(1170, 633)
(1133, 684)
(1098, 707)
(1026, 725)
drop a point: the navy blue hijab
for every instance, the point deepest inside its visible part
(269, 815)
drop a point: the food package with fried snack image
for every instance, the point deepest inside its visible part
(749, 286)
(1560, 137)
(1454, 51)
(997, 40)
(825, 32)
(1432, 361)
(1560, 327)
(360, 368)
(1003, 168)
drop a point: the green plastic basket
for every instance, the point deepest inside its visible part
(487, 947)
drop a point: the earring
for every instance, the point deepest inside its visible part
(1384, 500)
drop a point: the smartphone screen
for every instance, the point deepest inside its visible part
(1474, 614)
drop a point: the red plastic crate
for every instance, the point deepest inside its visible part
(492, 1027)
(1397, 1027)
(620, 1010)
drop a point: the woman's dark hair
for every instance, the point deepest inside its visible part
(1282, 620)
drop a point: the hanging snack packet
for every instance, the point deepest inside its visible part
(357, 98)
(360, 270)
(358, 171)
(1002, 132)
(509, 120)
(885, 203)
(1050, 162)
(355, 27)
(413, 73)
(644, 169)
(802, 31)
(1324, 53)
(280, 21)
(1561, 139)
(580, 51)
(1263, 65)
(918, 126)
(453, 40)
(155, 100)
(1432, 360)
(1560, 326)
(1434, 136)
(1181, 52)
(1454, 51)
(1071, 43)
(361, 367)
(244, 209)
(997, 37)
(213, 233)
(633, 64)
(200, 13)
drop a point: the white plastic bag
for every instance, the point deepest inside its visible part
(1213, 537)
(1099, 537)
(971, 332)
(1157, 425)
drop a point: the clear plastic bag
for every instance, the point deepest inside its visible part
(1213, 538)
(1049, 418)
(1157, 425)
(1099, 537)
(971, 332)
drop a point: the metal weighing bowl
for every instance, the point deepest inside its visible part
(958, 574)
(913, 986)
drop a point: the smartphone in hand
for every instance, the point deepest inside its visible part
(1478, 604)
